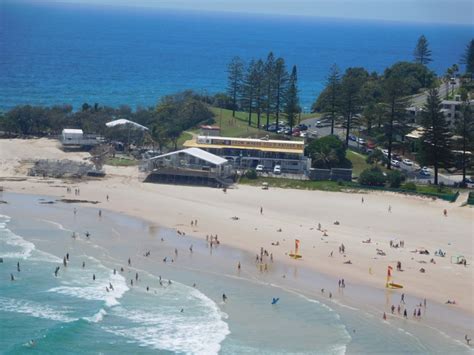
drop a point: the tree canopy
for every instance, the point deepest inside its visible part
(422, 52)
(327, 152)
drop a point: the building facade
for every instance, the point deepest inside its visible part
(245, 153)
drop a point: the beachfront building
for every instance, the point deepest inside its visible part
(245, 153)
(191, 166)
(75, 139)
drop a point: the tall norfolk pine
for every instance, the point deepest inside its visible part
(292, 106)
(422, 53)
(436, 138)
(269, 84)
(235, 78)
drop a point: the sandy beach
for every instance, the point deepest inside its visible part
(419, 222)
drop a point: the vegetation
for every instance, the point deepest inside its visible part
(263, 87)
(327, 152)
(118, 161)
(395, 178)
(464, 128)
(372, 177)
(468, 59)
(422, 52)
(436, 138)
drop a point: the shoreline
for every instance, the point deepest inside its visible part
(355, 296)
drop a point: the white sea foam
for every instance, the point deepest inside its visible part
(58, 225)
(25, 247)
(96, 318)
(199, 330)
(34, 309)
(97, 291)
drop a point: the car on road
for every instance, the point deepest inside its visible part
(277, 170)
(407, 162)
(425, 171)
(395, 163)
(259, 168)
(303, 127)
(318, 124)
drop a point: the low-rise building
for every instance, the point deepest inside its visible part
(76, 139)
(191, 166)
(245, 153)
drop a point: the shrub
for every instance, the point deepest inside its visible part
(251, 174)
(372, 177)
(410, 186)
(395, 178)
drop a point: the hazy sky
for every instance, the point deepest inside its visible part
(444, 11)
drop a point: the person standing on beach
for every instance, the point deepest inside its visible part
(107, 198)
(224, 297)
(129, 262)
(389, 208)
(261, 210)
(405, 314)
(445, 212)
(238, 266)
(402, 298)
(362, 200)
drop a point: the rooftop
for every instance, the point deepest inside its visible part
(197, 153)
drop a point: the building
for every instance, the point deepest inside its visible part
(246, 153)
(191, 166)
(76, 139)
(207, 130)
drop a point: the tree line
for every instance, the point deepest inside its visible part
(264, 88)
(166, 121)
(357, 98)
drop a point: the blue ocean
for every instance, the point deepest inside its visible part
(54, 54)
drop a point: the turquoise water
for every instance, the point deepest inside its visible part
(55, 54)
(72, 313)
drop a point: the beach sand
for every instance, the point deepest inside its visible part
(419, 222)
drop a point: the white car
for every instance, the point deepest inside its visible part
(407, 162)
(259, 168)
(425, 171)
(303, 134)
(361, 140)
(385, 152)
(277, 169)
(395, 163)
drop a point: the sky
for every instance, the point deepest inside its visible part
(427, 11)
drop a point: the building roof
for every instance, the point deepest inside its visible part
(197, 153)
(283, 146)
(123, 121)
(72, 131)
(416, 133)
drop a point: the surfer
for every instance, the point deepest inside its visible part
(67, 256)
(136, 276)
(238, 266)
(129, 262)
(64, 261)
(467, 339)
(111, 286)
(88, 234)
(93, 277)
(83, 264)
(12, 278)
(100, 213)
(56, 271)
(18, 266)
(275, 300)
(224, 297)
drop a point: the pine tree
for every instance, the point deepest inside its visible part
(235, 77)
(291, 101)
(258, 79)
(468, 58)
(422, 52)
(394, 91)
(333, 85)
(464, 127)
(281, 79)
(436, 138)
(269, 83)
(248, 96)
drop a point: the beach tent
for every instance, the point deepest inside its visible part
(124, 122)
(457, 259)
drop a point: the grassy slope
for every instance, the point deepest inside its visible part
(118, 161)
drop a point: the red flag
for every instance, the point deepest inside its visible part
(297, 243)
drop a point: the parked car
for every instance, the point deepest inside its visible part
(407, 162)
(318, 124)
(361, 141)
(303, 127)
(385, 152)
(395, 163)
(296, 134)
(281, 130)
(277, 170)
(352, 138)
(259, 168)
(303, 134)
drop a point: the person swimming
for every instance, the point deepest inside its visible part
(275, 300)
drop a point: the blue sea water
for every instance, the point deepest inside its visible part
(53, 54)
(74, 314)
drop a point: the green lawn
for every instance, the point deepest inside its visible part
(119, 161)
(358, 162)
(185, 136)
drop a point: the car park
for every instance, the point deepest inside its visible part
(277, 169)
(259, 168)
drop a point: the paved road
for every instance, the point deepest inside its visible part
(420, 99)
